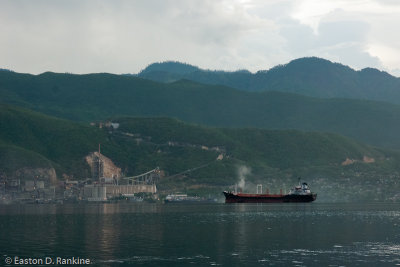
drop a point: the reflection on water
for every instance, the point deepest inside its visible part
(178, 235)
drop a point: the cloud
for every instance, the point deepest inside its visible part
(116, 36)
(339, 41)
(357, 33)
(121, 36)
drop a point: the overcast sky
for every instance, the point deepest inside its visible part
(121, 36)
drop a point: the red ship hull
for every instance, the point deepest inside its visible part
(231, 197)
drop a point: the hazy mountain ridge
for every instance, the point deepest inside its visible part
(307, 76)
(99, 96)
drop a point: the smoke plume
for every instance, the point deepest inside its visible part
(243, 171)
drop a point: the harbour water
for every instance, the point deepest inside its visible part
(140, 234)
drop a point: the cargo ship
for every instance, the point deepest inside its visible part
(300, 193)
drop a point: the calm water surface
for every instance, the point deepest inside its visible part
(313, 234)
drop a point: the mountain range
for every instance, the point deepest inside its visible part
(100, 96)
(311, 117)
(306, 76)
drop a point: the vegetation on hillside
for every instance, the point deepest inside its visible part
(32, 139)
(99, 96)
(193, 158)
(306, 76)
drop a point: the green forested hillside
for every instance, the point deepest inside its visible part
(100, 96)
(276, 148)
(32, 139)
(186, 153)
(306, 76)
